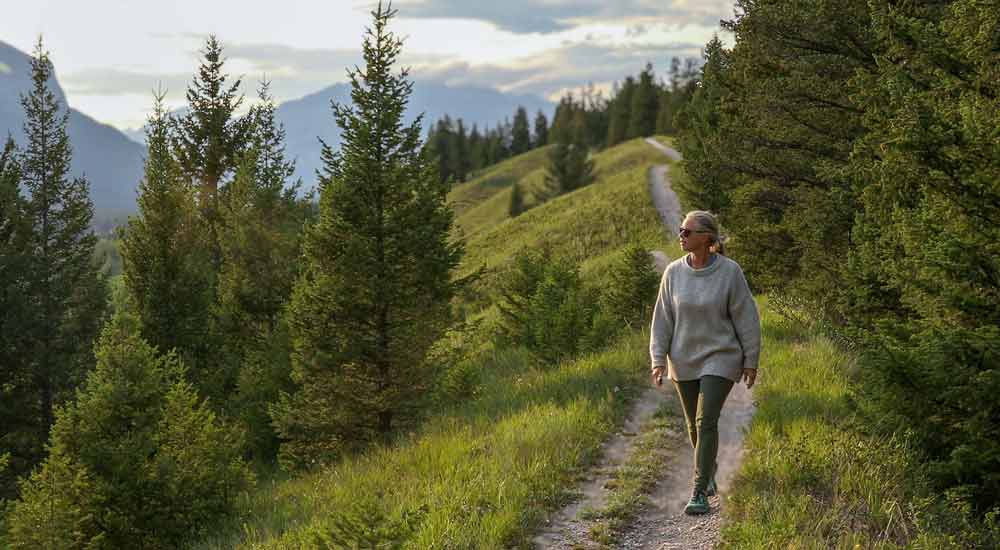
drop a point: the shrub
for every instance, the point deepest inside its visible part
(631, 287)
(137, 460)
(545, 306)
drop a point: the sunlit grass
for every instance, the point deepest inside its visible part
(811, 477)
(484, 474)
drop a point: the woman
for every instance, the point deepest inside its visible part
(706, 336)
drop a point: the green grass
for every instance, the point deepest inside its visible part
(496, 179)
(482, 476)
(587, 226)
(812, 477)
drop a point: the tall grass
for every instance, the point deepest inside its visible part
(479, 476)
(813, 475)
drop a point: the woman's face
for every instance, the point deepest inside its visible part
(693, 237)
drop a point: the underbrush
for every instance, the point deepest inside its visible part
(815, 477)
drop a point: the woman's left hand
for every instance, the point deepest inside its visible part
(749, 376)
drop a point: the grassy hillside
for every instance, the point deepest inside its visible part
(484, 471)
(588, 225)
(493, 180)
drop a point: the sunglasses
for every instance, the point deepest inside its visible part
(684, 232)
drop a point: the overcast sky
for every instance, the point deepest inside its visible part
(110, 54)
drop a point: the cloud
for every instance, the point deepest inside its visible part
(293, 72)
(567, 67)
(550, 16)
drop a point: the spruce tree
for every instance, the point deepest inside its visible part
(137, 460)
(262, 220)
(377, 287)
(19, 440)
(460, 147)
(208, 140)
(516, 206)
(64, 290)
(569, 167)
(166, 267)
(619, 113)
(541, 137)
(644, 107)
(477, 150)
(520, 133)
(926, 267)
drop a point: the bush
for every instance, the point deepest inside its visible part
(631, 288)
(546, 307)
(137, 460)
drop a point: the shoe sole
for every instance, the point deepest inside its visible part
(695, 512)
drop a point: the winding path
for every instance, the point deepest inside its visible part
(662, 525)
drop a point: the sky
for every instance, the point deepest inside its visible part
(111, 54)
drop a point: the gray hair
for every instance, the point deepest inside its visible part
(708, 222)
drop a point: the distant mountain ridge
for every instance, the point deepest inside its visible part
(112, 159)
(310, 118)
(111, 162)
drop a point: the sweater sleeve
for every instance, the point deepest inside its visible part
(746, 319)
(662, 330)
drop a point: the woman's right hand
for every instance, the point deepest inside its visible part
(657, 376)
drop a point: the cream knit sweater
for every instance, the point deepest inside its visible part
(705, 321)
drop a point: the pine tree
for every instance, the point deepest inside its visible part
(64, 291)
(520, 133)
(516, 207)
(377, 288)
(631, 287)
(19, 440)
(644, 105)
(925, 270)
(477, 150)
(166, 267)
(619, 112)
(460, 146)
(541, 137)
(262, 220)
(209, 139)
(137, 460)
(569, 167)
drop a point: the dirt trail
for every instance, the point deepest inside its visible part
(663, 524)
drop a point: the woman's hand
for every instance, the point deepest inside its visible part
(657, 376)
(749, 376)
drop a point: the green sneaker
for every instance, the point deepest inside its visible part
(712, 488)
(697, 505)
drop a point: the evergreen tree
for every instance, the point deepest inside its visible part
(561, 130)
(699, 125)
(263, 221)
(460, 147)
(209, 139)
(377, 287)
(925, 270)
(65, 293)
(631, 288)
(619, 113)
(19, 440)
(569, 167)
(541, 137)
(440, 142)
(644, 106)
(516, 207)
(166, 267)
(137, 460)
(520, 133)
(477, 150)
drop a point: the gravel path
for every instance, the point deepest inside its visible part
(662, 525)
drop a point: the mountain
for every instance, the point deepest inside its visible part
(110, 160)
(310, 117)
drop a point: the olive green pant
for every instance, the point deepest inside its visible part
(702, 400)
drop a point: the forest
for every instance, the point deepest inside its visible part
(262, 332)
